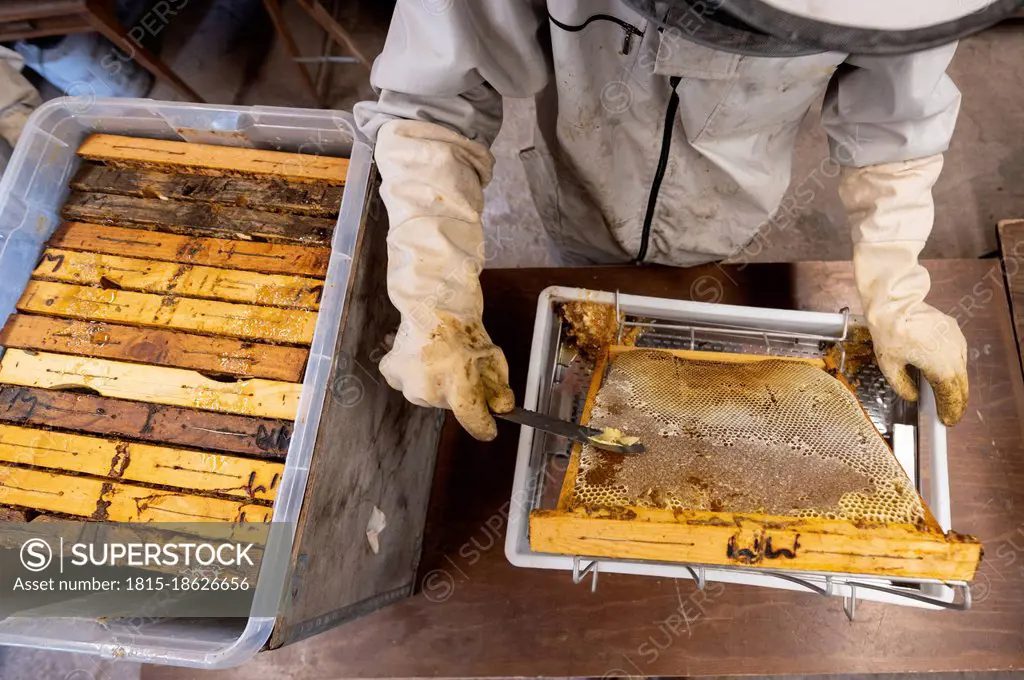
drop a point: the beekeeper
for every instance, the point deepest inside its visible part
(666, 135)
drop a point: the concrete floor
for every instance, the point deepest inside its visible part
(225, 49)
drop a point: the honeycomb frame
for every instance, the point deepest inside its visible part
(671, 533)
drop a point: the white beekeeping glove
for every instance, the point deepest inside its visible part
(432, 185)
(891, 212)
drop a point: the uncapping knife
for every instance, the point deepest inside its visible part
(579, 433)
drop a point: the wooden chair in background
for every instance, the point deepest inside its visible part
(329, 24)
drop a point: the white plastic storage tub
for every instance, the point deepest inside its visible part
(32, 192)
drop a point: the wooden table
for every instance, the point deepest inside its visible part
(1011, 246)
(476, 615)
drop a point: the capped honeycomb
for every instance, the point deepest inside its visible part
(769, 437)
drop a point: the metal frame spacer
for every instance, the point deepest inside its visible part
(845, 311)
(578, 575)
(965, 594)
(850, 603)
(699, 576)
(620, 324)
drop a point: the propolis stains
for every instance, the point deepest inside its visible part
(155, 366)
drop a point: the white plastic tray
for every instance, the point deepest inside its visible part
(532, 459)
(32, 191)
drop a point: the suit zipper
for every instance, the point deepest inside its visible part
(659, 174)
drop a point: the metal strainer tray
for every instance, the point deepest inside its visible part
(559, 378)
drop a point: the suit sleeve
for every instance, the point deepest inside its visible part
(886, 109)
(18, 97)
(450, 62)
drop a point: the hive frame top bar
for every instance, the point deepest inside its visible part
(773, 331)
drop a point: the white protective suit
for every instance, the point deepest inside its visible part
(652, 148)
(18, 98)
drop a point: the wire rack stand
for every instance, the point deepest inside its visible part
(668, 334)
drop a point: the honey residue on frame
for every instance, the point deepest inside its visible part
(593, 327)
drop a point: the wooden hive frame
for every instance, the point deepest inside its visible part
(745, 539)
(155, 361)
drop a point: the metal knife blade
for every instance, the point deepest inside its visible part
(563, 428)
